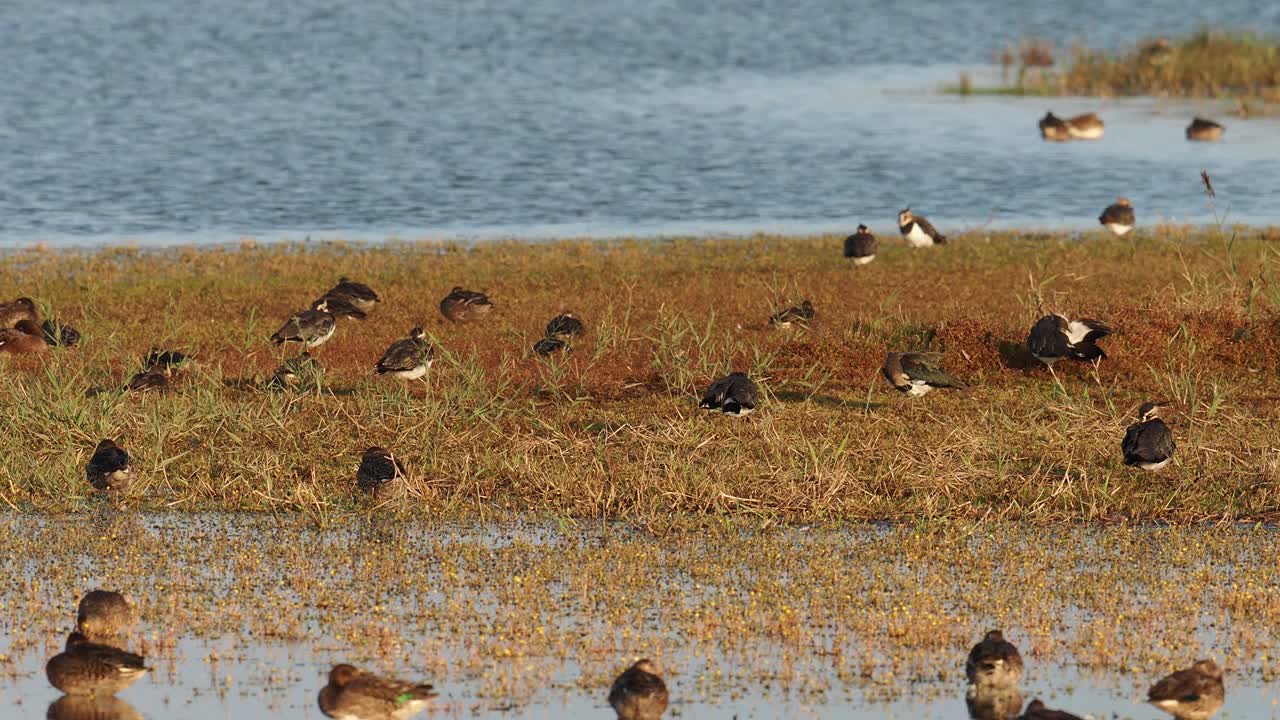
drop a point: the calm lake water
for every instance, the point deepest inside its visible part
(171, 122)
(242, 615)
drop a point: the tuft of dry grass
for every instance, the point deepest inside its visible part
(611, 429)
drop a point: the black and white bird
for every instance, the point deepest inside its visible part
(1036, 710)
(1118, 217)
(550, 344)
(801, 314)
(1192, 694)
(408, 358)
(565, 326)
(860, 247)
(733, 394)
(1056, 336)
(917, 373)
(639, 692)
(312, 328)
(108, 468)
(340, 307)
(354, 293)
(1148, 443)
(993, 663)
(378, 468)
(462, 305)
(917, 231)
(1203, 130)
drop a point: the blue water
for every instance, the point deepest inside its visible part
(180, 121)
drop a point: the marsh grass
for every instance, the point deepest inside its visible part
(611, 428)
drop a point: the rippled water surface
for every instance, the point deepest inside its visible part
(166, 122)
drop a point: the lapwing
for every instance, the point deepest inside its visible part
(1054, 128)
(1192, 694)
(340, 307)
(103, 615)
(1204, 130)
(108, 468)
(1085, 127)
(57, 334)
(917, 231)
(312, 328)
(24, 338)
(565, 326)
(917, 373)
(733, 394)
(292, 371)
(1036, 710)
(801, 314)
(462, 305)
(88, 668)
(993, 663)
(1118, 217)
(378, 469)
(550, 344)
(639, 692)
(860, 247)
(354, 694)
(1056, 336)
(408, 358)
(23, 308)
(354, 293)
(1148, 443)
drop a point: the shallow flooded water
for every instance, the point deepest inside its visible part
(241, 616)
(163, 122)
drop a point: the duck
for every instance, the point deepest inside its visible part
(1056, 336)
(1204, 130)
(860, 247)
(917, 231)
(993, 663)
(91, 707)
(801, 314)
(291, 371)
(353, 694)
(340, 307)
(57, 334)
(639, 692)
(1054, 128)
(88, 668)
(550, 344)
(378, 468)
(565, 326)
(1118, 217)
(917, 373)
(1036, 710)
(734, 394)
(1195, 693)
(356, 294)
(312, 328)
(408, 358)
(11, 313)
(23, 338)
(1148, 443)
(108, 468)
(462, 305)
(1085, 127)
(103, 614)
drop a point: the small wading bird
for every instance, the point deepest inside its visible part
(860, 247)
(1192, 694)
(917, 231)
(87, 668)
(1148, 443)
(23, 338)
(801, 314)
(733, 394)
(378, 469)
(109, 469)
(340, 307)
(23, 308)
(917, 373)
(408, 358)
(358, 295)
(1204, 130)
(1054, 128)
(353, 694)
(312, 328)
(1118, 217)
(993, 663)
(462, 305)
(1056, 336)
(103, 614)
(1037, 711)
(639, 692)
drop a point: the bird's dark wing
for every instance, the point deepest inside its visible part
(404, 354)
(919, 366)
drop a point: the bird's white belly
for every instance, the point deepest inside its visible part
(1154, 466)
(918, 238)
(1088, 133)
(1119, 229)
(918, 388)
(316, 342)
(413, 374)
(864, 259)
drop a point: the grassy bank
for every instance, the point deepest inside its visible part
(612, 429)
(1209, 64)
